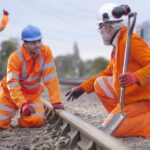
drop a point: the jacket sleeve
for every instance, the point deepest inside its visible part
(88, 85)
(50, 78)
(12, 79)
(4, 22)
(140, 52)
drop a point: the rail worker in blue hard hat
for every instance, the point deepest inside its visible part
(107, 84)
(4, 20)
(27, 68)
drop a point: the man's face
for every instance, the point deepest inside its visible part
(107, 31)
(33, 47)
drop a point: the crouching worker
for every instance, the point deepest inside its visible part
(107, 84)
(4, 20)
(21, 88)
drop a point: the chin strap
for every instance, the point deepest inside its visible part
(117, 26)
(113, 37)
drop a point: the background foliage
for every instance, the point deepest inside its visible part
(70, 65)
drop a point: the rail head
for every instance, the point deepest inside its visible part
(94, 134)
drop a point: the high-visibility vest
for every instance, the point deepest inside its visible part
(23, 76)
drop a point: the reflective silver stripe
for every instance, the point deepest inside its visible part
(41, 62)
(49, 76)
(7, 109)
(12, 75)
(31, 86)
(24, 71)
(110, 81)
(49, 65)
(39, 113)
(24, 68)
(12, 84)
(104, 87)
(3, 117)
(30, 79)
(19, 54)
(37, 105)
(41, 98)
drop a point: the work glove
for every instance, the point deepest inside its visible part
(58, 106)
(27, 109)
(74, 93)
(5, 12)
(128, 79)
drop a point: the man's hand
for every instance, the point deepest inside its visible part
(128, 79)
(27, 109)
(5, 12)
(58, 106)
(74, 93)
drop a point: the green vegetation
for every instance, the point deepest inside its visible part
(7, 47)
(70, 65)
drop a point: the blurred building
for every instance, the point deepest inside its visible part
(144, 31)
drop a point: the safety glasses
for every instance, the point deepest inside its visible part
(104, 25)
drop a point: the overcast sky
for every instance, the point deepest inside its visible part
(64, 22)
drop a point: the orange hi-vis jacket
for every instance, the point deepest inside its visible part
(23, 80)
(4, 21)
(139, 65)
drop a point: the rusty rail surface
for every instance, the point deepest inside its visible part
(75, 134)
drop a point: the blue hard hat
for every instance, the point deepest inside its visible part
(31, 33)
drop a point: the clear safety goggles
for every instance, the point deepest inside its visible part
(112, 24)
(101, 25)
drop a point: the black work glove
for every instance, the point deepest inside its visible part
(74, 93)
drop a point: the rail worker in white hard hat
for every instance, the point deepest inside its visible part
(107, 84)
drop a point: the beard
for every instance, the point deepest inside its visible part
(110, 32)
(107, 39)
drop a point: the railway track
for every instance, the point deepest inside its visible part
(62, 131)
(96, 113)
(72, 133)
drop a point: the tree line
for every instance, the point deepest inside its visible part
(69, 65)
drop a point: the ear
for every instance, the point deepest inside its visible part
(25, 44)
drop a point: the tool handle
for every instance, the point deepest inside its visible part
(127, 52)
(128, 43)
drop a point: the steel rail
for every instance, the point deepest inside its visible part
(76, 133)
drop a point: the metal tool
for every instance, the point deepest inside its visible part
(110, 127)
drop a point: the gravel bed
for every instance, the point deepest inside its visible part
(87, 107)
(16, 138)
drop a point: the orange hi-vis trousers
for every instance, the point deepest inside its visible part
(8, 109)
(137, 122)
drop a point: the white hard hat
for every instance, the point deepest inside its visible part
(105, 12)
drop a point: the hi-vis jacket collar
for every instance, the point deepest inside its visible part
(26, 54)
